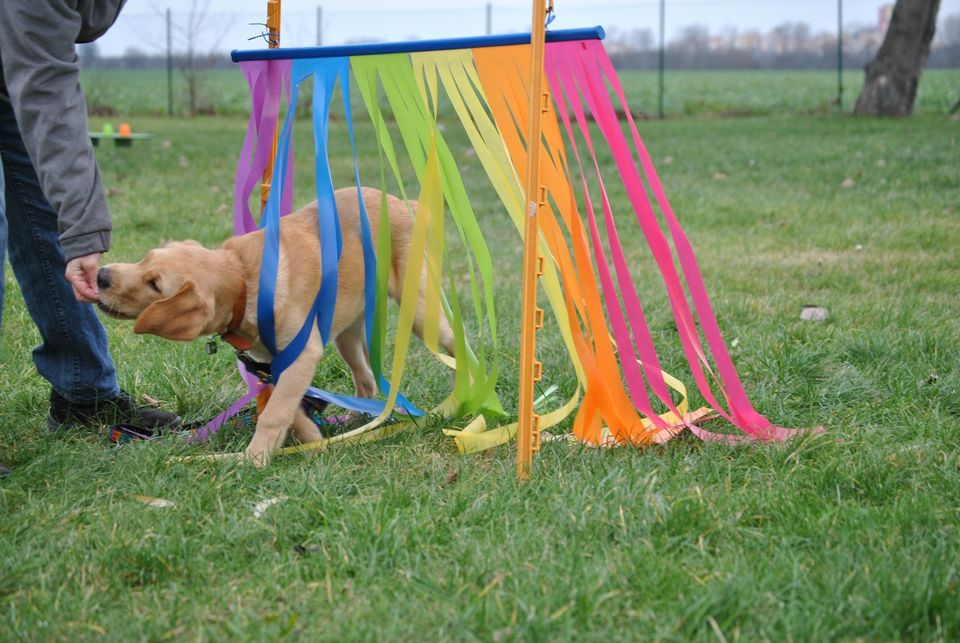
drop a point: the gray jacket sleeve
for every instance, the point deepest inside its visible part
(41, 72)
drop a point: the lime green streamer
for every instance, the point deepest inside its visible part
(470, 235)
(474, 382)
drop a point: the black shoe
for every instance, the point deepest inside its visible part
(121, 409)
(4, 471)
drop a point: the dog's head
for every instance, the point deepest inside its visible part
(177, 292)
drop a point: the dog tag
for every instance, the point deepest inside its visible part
(211, 347)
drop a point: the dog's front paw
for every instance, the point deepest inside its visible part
(256, 455)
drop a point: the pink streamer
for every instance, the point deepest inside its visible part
(645, 347)
(638, 391)
(267, 80)
(583, 65)
(216, 423)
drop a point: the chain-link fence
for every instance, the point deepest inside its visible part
(675, 56)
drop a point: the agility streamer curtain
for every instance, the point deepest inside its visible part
(587, 278)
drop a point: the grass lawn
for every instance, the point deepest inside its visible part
(852, 534)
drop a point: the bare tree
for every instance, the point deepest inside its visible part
(790, 37)
(729, 35)
(193, 62)
(951, 30)
(195, 49)
(691, 47)
(642, 39)
(89, 54)
(893, 75)
(634, 40)
(946, 44)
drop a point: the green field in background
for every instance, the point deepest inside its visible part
(138, 93)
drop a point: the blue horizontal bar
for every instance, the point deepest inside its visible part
(560, 35)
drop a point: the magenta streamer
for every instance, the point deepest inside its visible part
(268, 81)
(214, 425)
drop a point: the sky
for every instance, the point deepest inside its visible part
(227, 24)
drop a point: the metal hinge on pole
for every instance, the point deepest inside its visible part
(536, 433)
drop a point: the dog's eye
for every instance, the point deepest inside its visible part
(153, 285)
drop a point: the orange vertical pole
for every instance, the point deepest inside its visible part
(273, 41)
(528, 430)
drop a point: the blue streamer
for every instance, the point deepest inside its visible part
(359, 404)
(326, 72)
(271, 223)
(325, 75)
(369, 256)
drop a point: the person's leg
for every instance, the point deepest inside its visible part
(73, 356)
(3, 243)
(4, 471)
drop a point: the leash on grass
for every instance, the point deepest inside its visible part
(314, 402)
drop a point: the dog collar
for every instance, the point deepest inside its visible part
(229, 336)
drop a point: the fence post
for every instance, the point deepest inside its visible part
(319, 25)
(662, 64)
(528, 422)
(169, 64)
(840, 55)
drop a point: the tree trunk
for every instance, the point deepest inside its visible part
(892, 77)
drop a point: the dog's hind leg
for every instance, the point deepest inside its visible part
(304, 429)
(447, 340)
(353, 349)
(446, 337)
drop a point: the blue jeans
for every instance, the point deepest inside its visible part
(73, 356)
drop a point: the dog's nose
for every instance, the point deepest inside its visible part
(103, 279)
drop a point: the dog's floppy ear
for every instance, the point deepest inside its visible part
(181, 317)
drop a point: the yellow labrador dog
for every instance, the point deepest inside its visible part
(183, 291)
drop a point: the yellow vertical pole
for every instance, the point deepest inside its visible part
(528, 430)
(273, 40)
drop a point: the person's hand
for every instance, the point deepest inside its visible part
(82, 275)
